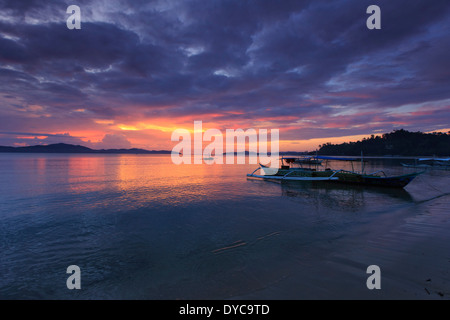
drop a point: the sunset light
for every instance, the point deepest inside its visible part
(208, 154)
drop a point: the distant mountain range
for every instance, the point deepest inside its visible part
(70, 148)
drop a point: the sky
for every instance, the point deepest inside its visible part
(137, 70)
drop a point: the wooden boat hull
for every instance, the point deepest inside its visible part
(391, 182)
(340, 177)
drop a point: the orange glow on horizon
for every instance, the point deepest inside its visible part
(155, 133)
(158, 137)
(32, 137)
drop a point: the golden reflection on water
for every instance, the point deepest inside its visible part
(137, 180)
(155, 177)
(142, 177)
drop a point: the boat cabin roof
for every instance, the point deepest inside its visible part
(434, 159)
(338, 158)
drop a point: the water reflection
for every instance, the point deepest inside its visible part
(142, 227)
(340, 196)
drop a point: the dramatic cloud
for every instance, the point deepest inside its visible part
(113, 141)
(138, 69)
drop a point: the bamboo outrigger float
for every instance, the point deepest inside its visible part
(289, 172)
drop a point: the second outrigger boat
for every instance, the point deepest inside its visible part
(308, 160)
(289, 172)
(430, 163)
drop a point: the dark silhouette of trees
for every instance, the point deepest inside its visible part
(398, 142)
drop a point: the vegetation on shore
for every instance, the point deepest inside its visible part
(398, 142)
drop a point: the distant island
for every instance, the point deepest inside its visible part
(70, 148)
(396, 143)
(281, 153)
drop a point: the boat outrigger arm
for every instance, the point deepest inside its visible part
(287, 177)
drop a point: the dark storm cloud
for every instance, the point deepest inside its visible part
(13, 52)
(19, 8)
(263, 58)
(96, 45)
(53, 59)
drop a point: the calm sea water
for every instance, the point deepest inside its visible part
(140, 227)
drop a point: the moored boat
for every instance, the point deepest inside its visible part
(288, 172)
(308, 160)
(430, 163)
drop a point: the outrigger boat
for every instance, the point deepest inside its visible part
(308, 160)
(288, 171)
(432, 163)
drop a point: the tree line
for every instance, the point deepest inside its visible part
(398, 142)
